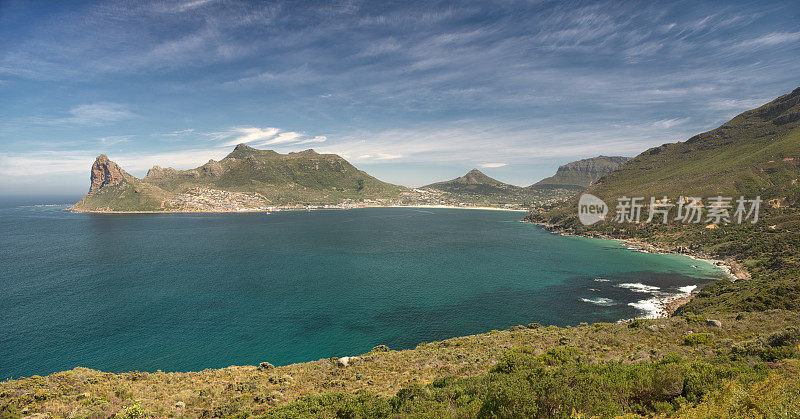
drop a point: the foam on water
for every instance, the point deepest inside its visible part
(639, 287)
(600, 301)
(650, 307)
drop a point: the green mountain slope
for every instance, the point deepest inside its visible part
(583, 172)
(302, 177)
(757, 153)
(245, 179)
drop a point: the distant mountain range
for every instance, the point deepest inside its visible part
(570, 179)
(251, 179)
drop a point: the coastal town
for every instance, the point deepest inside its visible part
(203, 199)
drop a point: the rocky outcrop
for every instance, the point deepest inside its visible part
(346, 361)
(104, 172)
(158, 172)
(584, 172)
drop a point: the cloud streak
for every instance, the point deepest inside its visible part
(96, 114)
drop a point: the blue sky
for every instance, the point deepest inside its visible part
(412, 92)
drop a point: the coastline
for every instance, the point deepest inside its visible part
(665, 306)
(268, 211)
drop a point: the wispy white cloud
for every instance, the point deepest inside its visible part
(95, 114)
(482, 143)
(244, 135)
(181, 132)
(260, 137)
(44, 163)
(669, 123)
(739, 105)
(317, 139)
(282, 138)
(19, 165)
(770, 39)
(115, 139)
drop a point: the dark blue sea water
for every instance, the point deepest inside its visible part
(193, 291)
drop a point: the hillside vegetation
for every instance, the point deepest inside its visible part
(756, 153)
(302, 177)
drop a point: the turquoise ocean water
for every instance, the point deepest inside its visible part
(182, 292)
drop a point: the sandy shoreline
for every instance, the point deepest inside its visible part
(294, 209)
(665, 306)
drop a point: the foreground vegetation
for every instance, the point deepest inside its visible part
(641, 367)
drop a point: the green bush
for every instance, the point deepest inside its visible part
(778, 345)
(697, 339)
(553, 384)
(340, 405)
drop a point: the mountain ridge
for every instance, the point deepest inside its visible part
(240, 181)
(249, 179)
(584, 172)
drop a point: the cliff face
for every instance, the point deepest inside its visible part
(104, 172)
(113, 189)
(584, 172)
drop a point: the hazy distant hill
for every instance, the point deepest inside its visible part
(477, 188)
(570, 179)
(477, 183)
(584, 172)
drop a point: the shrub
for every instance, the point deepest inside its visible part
(134, 411)
(778, 345)
(697, 339)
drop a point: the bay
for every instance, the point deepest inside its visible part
(183, 292)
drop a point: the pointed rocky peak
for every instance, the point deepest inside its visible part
(244, 151)
(105, 172)
(243, 147)
(475, 176)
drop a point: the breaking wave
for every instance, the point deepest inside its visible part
(639, 287)
(600, 301)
